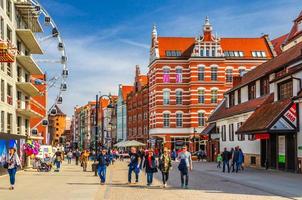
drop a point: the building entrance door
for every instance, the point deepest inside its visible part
(263, 152)
(291, 152)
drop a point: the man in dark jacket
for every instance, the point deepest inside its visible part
(103, 162)
(236, 159)
(225, 159)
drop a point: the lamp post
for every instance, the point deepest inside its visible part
(194, 137)
(97, 106)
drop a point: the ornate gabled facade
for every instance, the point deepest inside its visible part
(137, 109)
(187, 79)
(207, 45)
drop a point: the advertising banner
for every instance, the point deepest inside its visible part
(281, 153)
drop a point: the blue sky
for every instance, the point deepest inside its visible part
(106, 39)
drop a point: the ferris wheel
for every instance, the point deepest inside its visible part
(54, 59)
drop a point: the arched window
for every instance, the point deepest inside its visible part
(178, 75)
(214, 95)
(166, 119)
(178, 119)
(214, 70)
(229, 75)
(241, 71)
(166, 97)
(201, 73)
(166, 76)
(201, 98)
(201, 118)
(178, 97)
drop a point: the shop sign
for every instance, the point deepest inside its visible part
(281, 152)
(288, 121)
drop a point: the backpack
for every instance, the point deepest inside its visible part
(182, 165)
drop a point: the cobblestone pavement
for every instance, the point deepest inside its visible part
(73, 183)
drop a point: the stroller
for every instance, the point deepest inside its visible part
(43, 165)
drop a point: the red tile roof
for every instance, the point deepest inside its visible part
(278, 42)
(261, 120)
(270, 66)
(186, 45)
(126, 89)
(246, 45)
(183, 44)
(223, 112)
(294, 32)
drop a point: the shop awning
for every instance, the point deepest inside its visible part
(274, 117)
(209, 129)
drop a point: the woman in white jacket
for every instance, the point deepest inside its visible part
(13, 162)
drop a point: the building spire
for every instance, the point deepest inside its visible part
(154, 31)
(207, 27)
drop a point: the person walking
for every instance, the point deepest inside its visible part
(133, 165)
(225, 159)
(103, 162)
(150, 165)
(141, 154)
(184, 166)
(236, 159)
(232, 159)
(219, 160)
(58, 159)
(165, 164)
(69, 157)
(84, 160)
(240, 160)
(173, 154)
(77, 155)
(12, 164)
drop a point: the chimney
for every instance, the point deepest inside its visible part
(236, 80)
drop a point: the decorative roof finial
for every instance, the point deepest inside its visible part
(154, 31)
(207, 21)
(207, 27)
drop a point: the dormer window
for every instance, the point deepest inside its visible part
(231, 99)
(300, 26)
(258, 54)
(173, 53)
(252, 91)
(233, 53)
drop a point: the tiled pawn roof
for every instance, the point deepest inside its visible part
(264, 117)
(278, 42)
(223, 112)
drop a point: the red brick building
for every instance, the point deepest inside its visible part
(188, 77)
(138, 109)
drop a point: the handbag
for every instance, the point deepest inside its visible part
(5, 166)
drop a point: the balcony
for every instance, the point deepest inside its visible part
(29, 88)
(29, 64)
(30, 14)
(25, 108)
(29, 39)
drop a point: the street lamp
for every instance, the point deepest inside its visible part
(97, 125)
(194, 137)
